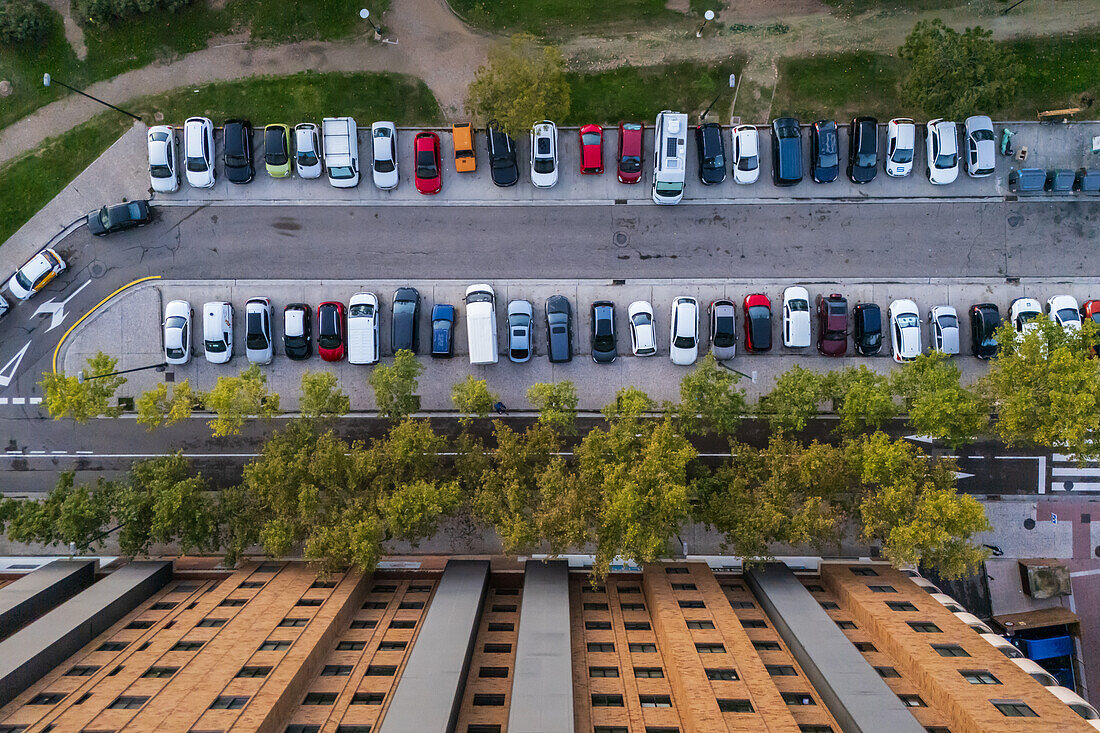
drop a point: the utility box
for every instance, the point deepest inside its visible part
(1044, 578)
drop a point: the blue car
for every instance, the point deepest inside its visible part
(443, 329)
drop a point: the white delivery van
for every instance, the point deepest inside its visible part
(363, 329)
(341, 149)
(669, 157)
(481, 323)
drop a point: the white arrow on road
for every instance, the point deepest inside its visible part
(959, 475)
(7, 372)
(920, 438)
(57, 310)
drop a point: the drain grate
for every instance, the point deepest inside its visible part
(621, 239)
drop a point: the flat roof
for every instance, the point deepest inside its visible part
(27, 598)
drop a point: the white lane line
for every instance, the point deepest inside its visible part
(1042, 474)
(1083, 573)
(1075, 471)
(3, 400)
(36, 400)
(18, 400)
(1077, 486)
(974, 458)
(38, 452)
(59, 452)
(84, 452)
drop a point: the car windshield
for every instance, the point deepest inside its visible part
(236, 161)
(945, 160)
(630, 164)
(715, 162)
(828, 160)
(175, 322)
(908, 320)
(160, 171)
(796, 305)
(1025, 316)
(425, 164)
(902, 155)
(479, 297)
(669, 188)
(641, 319)
(982, 135)
(22, 280)
(307, 158)
(104, 217)
(341, 172)
(866, 160)
(361, 309)
(747, 163)
(724, 332)
(196, 165)
(544, 165)
(590, 138)
(684, 342)
(788, 132)
(383, 165)
(1096, 317)
(256, 338)
(603, 342)
(948, 322)
(1068, 314)
(215, 347)
(440, 324)
(174, 353)
(759, 313)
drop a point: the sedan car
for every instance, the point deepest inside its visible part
(712, 153)
(277, 150)
(796, 317)
(684, 331)
(429, 166)
(298, 331)
(237, 151)
(544, 154)
(307, 150)
(198, 151)
(405, 325)
(217, 331)
(118, 218)
(604, 350)
(1022, 312)
(905, 330)
(942, 151)
(758, 322)
(591, 140)
(862, 150)
(258, 344)
(520, 317)
(832, 325)
(559, 329)
(867, 332)
(943, 329)
(1064, 311)
(503, 168)
(723, 329)
(383, 137)
(443, 331)
(631, 139)
(746, 154)
(164, 176)
(985, 319)
(332, 330)
(643, 332)
(981, 146)
(824, 151)
(36, 273)
(1090, 310)
(901, 142)
(177, 331)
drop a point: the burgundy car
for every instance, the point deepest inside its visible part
(592, 149)
(832, 325)
(631, 135)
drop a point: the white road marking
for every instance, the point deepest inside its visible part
(18, 400)
(84, 452)
(36, 400)
(1042, 474)
(36, 452)
(920, 438)
(3, 400)
(1076, 486)
(57, 310)
(1074, 471)
(1082, 573)
(7, 372)
(959, 475)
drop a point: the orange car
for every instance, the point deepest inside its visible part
(1091, 311)
(463, 135)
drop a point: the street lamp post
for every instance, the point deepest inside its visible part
(80, 378)
(47, 80)
(750, 377)
(707, 17)
(733, 83)
(365, 15)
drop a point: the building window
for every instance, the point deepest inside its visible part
(274, 646)
(597, 625)
(655, 701)
(700, 624)
(830, 605)
(710, 648)
(376, 605)
(601, 646)
(726, 674)
(346, 728)
(115, 671)
(483, 728)
(309, 602)
(684, 586)
(323, 584)
(233, 702)
(382, 588)
(494, 700)
(82, 670)
(643, 648)
(607, 701)
(595, 607)
(628, 589)
(381, 670)
(733, 586)
(300, 728)
(252, 584)
(186, 646)
(766, 646)
(637, 626)
(294, 622)
(937, 729)
(692, 604)
(734, 706)
(493, 672)
(887, 672)
(815, 588)
(268, 568)
(367, 698)
(610, 729)
(950, 650)
(661, 729)
(781, 670)
(83, 698)
(52, 698)
(882, 589)
(498, 591)
(632, 606)
(603, 672)
(364, 623)
(649, 672)
(863, 572)
(319, 698)
(392, 646)
(798, 698)
(184, 588)
(139, 625)
(211, 623)
(493, 626)
(814, 728)
(112, 646)
(233, 602)
(404, 623)
(912, 701)
(865, 646)
(336, 670)
(753, 623)
(254, 672)
(407, 605)
(351, 646)
(160, 671)
(901, 606)
(742, 604)
(979, 677)
(849, 625)
(593, 589)
(676, 571)
(499, 607)
(128, 702)
(505, 648)
(163, 606)
(924, 627)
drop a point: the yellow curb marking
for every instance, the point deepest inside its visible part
(93, 310)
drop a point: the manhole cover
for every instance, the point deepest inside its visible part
(1097, 551)
(621, 239)
(1067, 485)
(97, 269)
(5, 88)
(1029, 523)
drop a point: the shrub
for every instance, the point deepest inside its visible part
(106, 12)
(23, 21)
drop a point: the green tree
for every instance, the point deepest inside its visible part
(235, 398)
(794, 399)
(472, 398)
(710, 399)
(972, 73)
(165, 502)
(522, 83)
(23, 21)
(70, 513)
(413, 511)
(395, 385)
(863, 399)
(156, 409)
(321, 397)
(557, 405)
(69, 397)
(938, 404)
(354, 537)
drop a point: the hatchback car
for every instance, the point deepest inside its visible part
(443, 331)
(905, 330)
(405, 324)
(277, 150)
(237, 151)
(824, 151)
(363, 342)
(36, 273)
(862, 150)
(712, 153)
(544, 154)
(258, 344)
(943, 329)
(832, 325)
(298, 331)
(503, 168)
(520, 317)
(643, 332)
(684, 331)
(985, 319)
(1064, 311)
(604, 349)
(177, 331)
(217, 331)
(746, 154)
(796, 317)
(723, 329)
(786, 151)
(591, 139)
(631, 140)
(758, 322)
(942, 151)
(164, 176)
(901, 142)
(1090, 311)
(332, 331)
(307, 150)
(118, 218)
(384, 171)
(981, 146)
(867, 328)
(198, 151)
(1022, 311)
(559, 329)
(429, 166)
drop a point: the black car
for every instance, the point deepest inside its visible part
(868, 328)
(119, 217)
(502, 156)
(559, 329)
(603, 332)
(824, 152)
(237, 152)
(298, 331)
(405, 326)
(863, 150)
(712, 153)
(786, 151)
(985, 319)
(443, 330)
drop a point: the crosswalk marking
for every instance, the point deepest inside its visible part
(1069, 475)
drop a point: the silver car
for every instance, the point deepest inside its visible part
(384, 146)
(520, 314)
(307, 150)
(163, 174)
(943, 329)
(723, 329)
(177, 331)
(981, 147)
(217, 331)
(257, 341)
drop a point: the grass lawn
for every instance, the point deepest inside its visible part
(560, 17)
(1056, 73)
(838, 86)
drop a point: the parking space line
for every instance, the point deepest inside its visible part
(18, 400)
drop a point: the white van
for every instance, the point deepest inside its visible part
(669, 157)
(363, 329)
(481, 323)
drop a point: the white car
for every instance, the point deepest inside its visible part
(217, 331)
(643, 332)
(544, 154)
(1022, 312)
(383, 137)
(363, 337)
(796, 317)
(36, 273)
(905, 330)
(943, 329)
(177, 331)
(520, 317)
(257, 340)
(1063, 310)
(163, 174)
(307, 150)
(901, 147)
(981, 146)
(684, 331)
(198, 151)
(746, 154)
(942, 151)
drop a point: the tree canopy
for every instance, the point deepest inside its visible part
(395, 385)
(66, 396)
(235, 398)
(522, 83)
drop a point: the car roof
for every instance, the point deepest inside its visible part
(364, 298)
(796, 292)
(294, 322)
(904, 305)
(906, 134)
(303, 138)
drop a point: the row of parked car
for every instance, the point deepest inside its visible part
(352, 331)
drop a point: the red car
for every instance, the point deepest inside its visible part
(1091, 309)
(429, 170)
(631, 136)
(331, 340)
(832, 325)
(592, 149)
(758, 322)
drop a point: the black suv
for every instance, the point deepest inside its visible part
(603, 332)
(405, 327)
(824, 152)
(712, 153)
(985, 319)
(502, 156)
(862, 150)
(237, 154)
(868, 328)
(786, 151)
